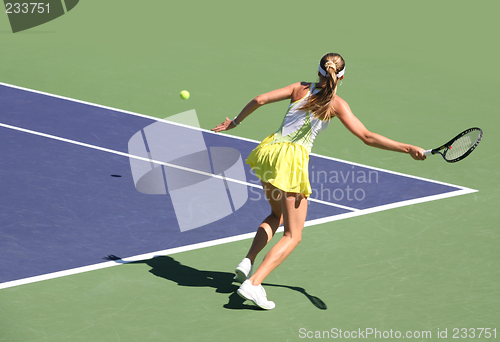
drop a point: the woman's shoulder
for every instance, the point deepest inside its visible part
(338, 99)
(300, 90)
(304, 85)
(301, 85)
(341, 101)
(340, 105)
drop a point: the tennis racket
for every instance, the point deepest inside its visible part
(459, 147)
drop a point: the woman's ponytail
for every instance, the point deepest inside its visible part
(321, 103)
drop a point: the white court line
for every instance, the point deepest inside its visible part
(123, 261)
(353, 213)
(210, 132)
(50, 136)
(171, 251)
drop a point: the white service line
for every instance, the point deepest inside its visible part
(389, 206)
(50, 136)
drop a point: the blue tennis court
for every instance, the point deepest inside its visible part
(69, 201)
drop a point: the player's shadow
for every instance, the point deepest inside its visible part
(168, 268)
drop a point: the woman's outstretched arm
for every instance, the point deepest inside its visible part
(260, 100)
(356, 127)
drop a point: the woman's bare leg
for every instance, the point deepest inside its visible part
(268, 227)
(294, 208)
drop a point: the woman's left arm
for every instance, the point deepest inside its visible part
(260, 100)
(356, 127)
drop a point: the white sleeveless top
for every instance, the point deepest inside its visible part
(300, 126)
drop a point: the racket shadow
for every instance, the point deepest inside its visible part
(237, 303)
(317, 302)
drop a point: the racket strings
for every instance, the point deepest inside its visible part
(462, 145)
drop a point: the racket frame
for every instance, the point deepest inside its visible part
(446, 146)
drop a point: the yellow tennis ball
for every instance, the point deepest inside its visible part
(184, 94)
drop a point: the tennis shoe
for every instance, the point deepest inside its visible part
(243, 270)
(256, 294)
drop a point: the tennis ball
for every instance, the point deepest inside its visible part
(184, 94)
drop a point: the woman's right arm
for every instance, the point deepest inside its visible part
(356, 127)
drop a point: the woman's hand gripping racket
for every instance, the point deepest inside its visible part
(459, 147)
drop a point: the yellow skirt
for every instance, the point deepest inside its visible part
(284, 165)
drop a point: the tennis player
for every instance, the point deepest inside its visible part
(281, 162)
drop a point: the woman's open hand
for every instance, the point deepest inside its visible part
(226, 125)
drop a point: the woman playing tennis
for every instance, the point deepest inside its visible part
(281, 162)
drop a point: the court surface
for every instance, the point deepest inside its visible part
(71, 192)
(390, 244)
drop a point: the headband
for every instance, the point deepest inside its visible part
(323, 72)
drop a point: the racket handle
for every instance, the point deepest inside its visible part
(427, 152)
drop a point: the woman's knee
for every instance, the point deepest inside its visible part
(295, 237)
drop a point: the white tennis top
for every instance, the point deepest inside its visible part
(300, 126)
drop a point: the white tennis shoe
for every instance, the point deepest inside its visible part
(243, 270)
(256, 294)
